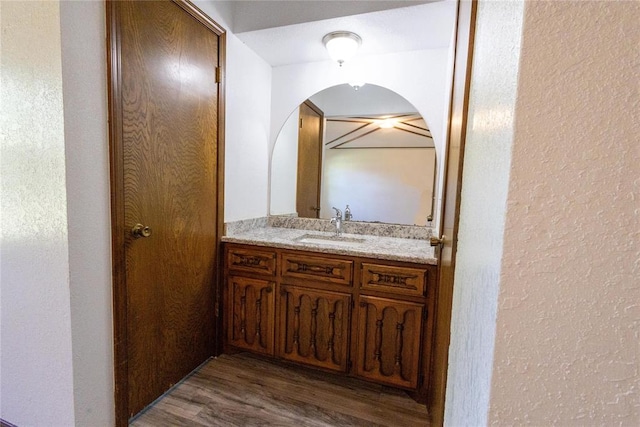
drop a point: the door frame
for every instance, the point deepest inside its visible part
(450, 217)
(116, 166)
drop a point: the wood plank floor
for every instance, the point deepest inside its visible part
(244, 390)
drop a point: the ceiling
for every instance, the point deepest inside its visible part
(290, 32)
(251, 15)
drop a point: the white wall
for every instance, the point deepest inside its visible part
(482, 212)
(379, 184)
(247, 133)
(284, 173)
(567, 314)
(248, 104)
(419, 76)
(36, 374)
(88, 210)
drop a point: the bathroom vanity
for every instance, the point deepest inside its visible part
(357, 305)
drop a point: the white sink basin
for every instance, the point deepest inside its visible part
(319, 239)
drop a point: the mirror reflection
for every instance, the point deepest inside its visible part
(368, 148)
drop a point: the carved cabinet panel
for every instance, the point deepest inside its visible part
(314, 327)
(251, 323)
(389, 334)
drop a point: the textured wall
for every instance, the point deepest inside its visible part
(567, 346)
(482, 211)
(87, 163)
(36, 371)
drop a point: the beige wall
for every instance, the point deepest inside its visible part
(567, 348)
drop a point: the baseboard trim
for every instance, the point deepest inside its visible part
(4, 423)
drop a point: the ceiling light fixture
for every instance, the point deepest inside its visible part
(387, 123)
(341, 45)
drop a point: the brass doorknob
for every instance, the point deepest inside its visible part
(140, 230)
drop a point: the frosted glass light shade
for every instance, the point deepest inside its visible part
(341, 45)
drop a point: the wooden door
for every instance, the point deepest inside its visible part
(252, 312)
(164, 112)
(310, 136)
(314, 327)
(389, 341)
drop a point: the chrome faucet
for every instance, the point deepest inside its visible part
(337, 221)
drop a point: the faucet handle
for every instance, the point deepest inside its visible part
(338, 213)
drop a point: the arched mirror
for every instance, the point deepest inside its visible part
(368, 148)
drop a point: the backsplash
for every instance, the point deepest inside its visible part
(353, 227)
(242, 226)
(348, 227)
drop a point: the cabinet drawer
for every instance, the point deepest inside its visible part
(331, 270)
(398, 280)
(252, 261)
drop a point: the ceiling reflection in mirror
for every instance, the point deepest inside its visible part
(373, 151)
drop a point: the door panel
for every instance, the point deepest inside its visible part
(309, 161)
(165, 126)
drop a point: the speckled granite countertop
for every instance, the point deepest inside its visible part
(389, 248)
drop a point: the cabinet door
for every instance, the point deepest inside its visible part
(250, 320)
(314, 327)
(389, 341)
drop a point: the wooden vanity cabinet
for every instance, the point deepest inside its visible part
(360, 316)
